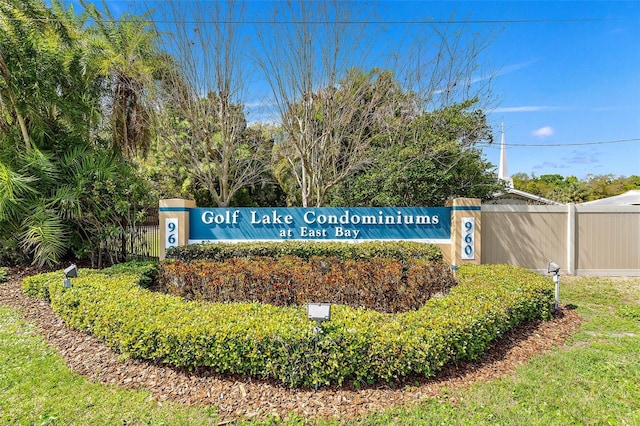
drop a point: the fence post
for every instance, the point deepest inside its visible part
(174, 223)
(571, 239)
(466, 244)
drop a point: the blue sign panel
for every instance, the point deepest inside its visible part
(425, 224)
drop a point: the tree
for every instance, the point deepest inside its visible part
(604, 186)
(305, 59)
(130, 62)
(345, 122)
(103, 198)
(443, 65)
(544, 186)
(436, 161)
(203, 127)
(44, 110)
(50, 91)
(42, 73)
(570, 189)
(195, 164)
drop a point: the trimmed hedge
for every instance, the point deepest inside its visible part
(145, 273)
(381, 284)
(280, 343)
(402, 250)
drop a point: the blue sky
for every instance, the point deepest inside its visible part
(567, 77)
(567, 81)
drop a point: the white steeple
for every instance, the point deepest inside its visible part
(503, 171)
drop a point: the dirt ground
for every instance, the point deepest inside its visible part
(243, 397)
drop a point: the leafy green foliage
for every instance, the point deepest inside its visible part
(604, 355)
(569, 189)
(128, 62)
(591, 379)
(62, 189)
(328, 134)
(367, 250)
(73, 198)
(193, 157)
(147, 272)
(4, 275)
(38, 285)
(104, 199)
(434, 160)
(280, 343)
(45, 108)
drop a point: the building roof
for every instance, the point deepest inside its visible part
(532, 197)
(515, 196)
(629, 198)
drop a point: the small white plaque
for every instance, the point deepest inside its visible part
(319, 311)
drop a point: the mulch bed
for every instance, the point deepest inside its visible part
(244, 397)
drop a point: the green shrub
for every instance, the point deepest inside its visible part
(382, 284)
(280, 343)
(38, 285)
(147, 271)
(10, 252)
(303, 249)
(4, 274)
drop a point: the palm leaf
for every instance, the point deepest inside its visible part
(45, 237)
(14, 188)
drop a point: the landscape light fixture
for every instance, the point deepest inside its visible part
(554, 268)
(70, 272)
(319, 312)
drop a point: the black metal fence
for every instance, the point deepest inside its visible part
(144, 241)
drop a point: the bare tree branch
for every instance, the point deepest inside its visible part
(207, 93)
(304, 63)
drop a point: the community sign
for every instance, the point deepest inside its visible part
(423, 224)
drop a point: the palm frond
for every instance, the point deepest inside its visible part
(45, 237)
(14, 188)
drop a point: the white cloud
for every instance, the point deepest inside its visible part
(543, 132)
(525, 108)
(583, 157)
(260, 104)
(505, 70)
(515, 67)
(546, 165)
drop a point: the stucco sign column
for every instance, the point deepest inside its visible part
(174, 223)
(465, 231)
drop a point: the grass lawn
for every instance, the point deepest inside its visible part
(595, 379)
(37, 388)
